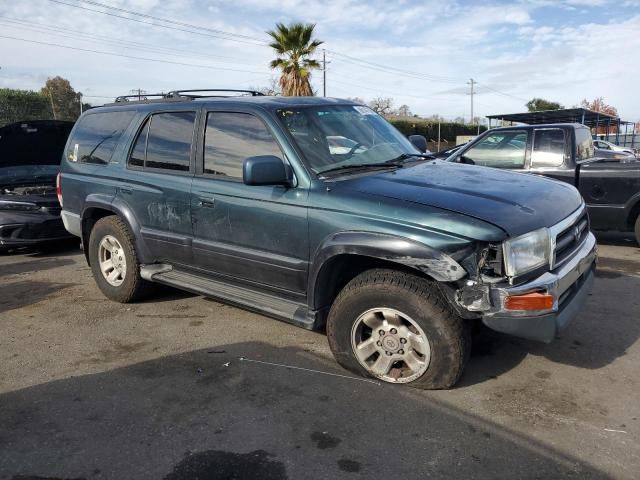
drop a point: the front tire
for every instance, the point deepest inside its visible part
(637, 229)
(114, 262)
(398, 328)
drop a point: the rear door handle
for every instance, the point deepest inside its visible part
(206, 202)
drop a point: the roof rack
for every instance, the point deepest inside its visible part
(190, 92)
(141, 98)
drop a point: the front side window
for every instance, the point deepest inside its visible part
(164, 142)
(231, 138)
(331, 137)
(502, 149)
(548, 148)
(96, 136)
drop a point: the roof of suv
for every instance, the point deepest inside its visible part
(262, 100)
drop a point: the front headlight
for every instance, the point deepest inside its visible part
(526, 252)
(18, 206)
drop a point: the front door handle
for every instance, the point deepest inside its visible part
(126, 190)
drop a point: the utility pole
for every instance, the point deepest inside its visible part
(53, 108)
(139, 92)
(471, 82)
(324, 73)
(80, 99)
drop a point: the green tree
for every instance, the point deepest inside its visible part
(64, 100)
(18, 105)
(294, 45)
(540, 104)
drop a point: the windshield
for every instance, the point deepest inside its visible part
(331, 137)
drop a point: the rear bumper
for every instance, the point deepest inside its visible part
(570, 286)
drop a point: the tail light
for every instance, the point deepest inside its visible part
(59, 187)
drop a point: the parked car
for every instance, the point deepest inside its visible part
(612, 147)
(242, 199)
(565, 152)
(30, 154)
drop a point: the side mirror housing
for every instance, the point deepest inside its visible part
(419, 141)
(265, 170)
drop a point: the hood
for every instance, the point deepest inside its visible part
(31, 151)
(516, 202)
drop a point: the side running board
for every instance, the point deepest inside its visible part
(271, 305)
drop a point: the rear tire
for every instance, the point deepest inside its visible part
(398, 328)
(638, 229)
(114, 261)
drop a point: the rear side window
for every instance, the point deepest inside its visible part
(584, 143)
(548, 148)
(165, 141)
(230, 138)
(96, 136)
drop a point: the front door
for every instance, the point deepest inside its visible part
(254, 234)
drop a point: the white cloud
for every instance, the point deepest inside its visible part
(525, 49)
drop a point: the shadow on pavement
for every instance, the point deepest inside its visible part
(621, 239)
(21, 294)
(209, 415)
(32, 265)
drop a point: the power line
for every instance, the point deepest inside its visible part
(185, 64)
(221, 34)
(175, 22)
(207, 34)
(45, 28)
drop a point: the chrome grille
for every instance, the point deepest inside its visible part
(569, 236)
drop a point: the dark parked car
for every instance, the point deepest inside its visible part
(245, 199)
(565, 152)
(30, 154)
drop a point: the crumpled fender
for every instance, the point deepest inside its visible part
(438, 265)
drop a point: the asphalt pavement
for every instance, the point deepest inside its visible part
(182, 387)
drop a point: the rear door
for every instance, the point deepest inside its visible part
(157, 183)
(255, 234)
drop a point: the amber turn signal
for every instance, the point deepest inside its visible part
(529, 301)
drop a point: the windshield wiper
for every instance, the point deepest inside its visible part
(363, 166)
(406, 156)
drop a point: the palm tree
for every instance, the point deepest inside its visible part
(294, 45)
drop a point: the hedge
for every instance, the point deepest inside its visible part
(448, 130)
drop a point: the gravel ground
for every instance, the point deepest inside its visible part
(94, 389)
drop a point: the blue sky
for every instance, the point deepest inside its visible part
(424, 51)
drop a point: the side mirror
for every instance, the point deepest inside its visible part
(419, 141)
(265, 170)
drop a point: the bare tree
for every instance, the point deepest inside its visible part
(404, 111)
(382, 106)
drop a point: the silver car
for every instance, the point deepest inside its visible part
(611, 150)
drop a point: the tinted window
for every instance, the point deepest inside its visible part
(501, 149)
(169, 140)
(584, 143)
(96, 136)
(165, 141)
(548, 148)
(140, 147)
(230, 138)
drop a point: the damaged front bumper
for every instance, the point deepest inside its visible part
(568, 285)
(24, 230)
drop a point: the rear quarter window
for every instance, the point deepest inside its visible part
(584, 144)
(96, 136)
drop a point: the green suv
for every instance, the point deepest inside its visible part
(318, 212)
